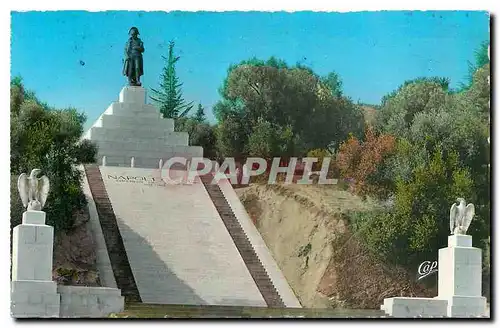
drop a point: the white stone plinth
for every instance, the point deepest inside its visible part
(459, 241)
(32, 247)
(135, 95)
(34, 299)
(407, 307)
(467, 306)
(33, 293)
(459, 268)
(459, 277)
(34, 217)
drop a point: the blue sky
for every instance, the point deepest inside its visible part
(374, 52)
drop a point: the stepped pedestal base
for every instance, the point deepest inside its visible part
(34, 299)
(459, 286)
(466, 306)
(408, 307)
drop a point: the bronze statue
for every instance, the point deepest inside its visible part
(132, 66)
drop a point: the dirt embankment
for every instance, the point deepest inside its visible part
(324, 264)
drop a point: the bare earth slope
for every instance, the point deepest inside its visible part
(302, 226)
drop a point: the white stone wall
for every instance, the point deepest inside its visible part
(103, 263)
(89, 302)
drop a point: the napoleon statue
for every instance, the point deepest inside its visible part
(132, 64)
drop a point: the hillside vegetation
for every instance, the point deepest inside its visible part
(322, 260)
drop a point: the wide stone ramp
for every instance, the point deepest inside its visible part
(178, 248)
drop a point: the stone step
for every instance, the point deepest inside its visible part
(131, 122)
(130, 134)
(135, 110)
(114, 243)
(215, 311)
(165, 153)
(140, 162)
(168, 147)
(254, 265)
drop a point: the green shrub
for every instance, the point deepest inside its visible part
(200, 134)
(48, 139)
(417, 225)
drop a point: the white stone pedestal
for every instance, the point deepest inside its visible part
(133, 95)
(131, 128)
(459, 286)
(33, 293)
(459, 277)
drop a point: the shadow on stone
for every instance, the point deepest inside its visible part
(156, 282)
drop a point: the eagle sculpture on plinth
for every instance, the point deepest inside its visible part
(460, 217)
(33, 190)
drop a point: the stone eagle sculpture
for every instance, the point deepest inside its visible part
(460, 217)
(33, 190)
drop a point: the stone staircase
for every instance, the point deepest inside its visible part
(114, 243)
(245, 248)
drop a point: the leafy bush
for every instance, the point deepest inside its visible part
(440, 153)
(399, 109)
(200, 134)
(320, 154)
(418, 224)
(360, 160)
(48, 139)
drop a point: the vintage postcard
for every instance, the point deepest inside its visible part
(177, 164)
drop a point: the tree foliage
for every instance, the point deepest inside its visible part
(320, 154)
(441, 153)
(418, 225)
(200, 116)
(48, 139)
(270, 108)
(360, 161)
(200, 134)
(169, 97)
(481, 58)
(413, 97)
